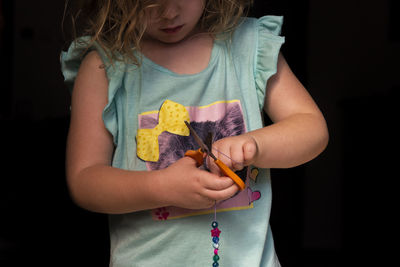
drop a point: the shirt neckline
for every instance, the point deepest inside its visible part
(211, 62)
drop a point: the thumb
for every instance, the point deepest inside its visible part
(189, 161)
(213, 168)
(250, 150)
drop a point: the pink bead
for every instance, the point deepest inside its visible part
(215, 232)
(216, 251)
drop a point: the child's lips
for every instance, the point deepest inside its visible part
(171, 30)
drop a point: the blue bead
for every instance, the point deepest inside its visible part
(214, 224)
(215, 239)
(215, 264)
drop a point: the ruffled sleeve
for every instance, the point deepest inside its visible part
(266, 55)
(70, 63)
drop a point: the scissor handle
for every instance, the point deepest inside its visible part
(197, 155)
(228, 172)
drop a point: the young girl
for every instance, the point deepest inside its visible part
(145, 68)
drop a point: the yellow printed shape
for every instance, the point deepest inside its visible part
(171, 118)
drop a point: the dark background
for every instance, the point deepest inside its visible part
(337, 210)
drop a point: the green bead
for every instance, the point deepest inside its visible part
(216, 258)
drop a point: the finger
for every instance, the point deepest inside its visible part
(249, 152)
(237, 157)
(220, 195)
(213, 167)
(189, 161)
(215, 182)
(222, 150)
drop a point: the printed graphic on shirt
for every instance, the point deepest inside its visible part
(162, 140)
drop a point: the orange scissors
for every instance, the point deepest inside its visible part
(198, 156)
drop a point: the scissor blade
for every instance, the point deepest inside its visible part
(208, 141)
(197, 138)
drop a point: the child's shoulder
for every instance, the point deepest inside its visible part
(93, 60)
(259, 31)
(270, 23)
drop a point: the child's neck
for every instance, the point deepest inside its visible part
(189, 56)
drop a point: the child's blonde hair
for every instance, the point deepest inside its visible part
(118, 25)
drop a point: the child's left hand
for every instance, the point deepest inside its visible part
(235, 151)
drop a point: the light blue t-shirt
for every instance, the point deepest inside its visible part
(224, 99)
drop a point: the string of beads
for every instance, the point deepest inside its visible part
(215, 232)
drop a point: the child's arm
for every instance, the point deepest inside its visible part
(96, 186)
(298, 134)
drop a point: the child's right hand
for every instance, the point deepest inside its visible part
(186, 186)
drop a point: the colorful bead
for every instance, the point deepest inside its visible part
(215, 232)
(216, 258)
(214, 224)
(216, 251)
(215, 239)
(215, 264)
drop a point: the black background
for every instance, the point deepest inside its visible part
(337, 210)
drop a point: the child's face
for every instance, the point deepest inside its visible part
(178, 20)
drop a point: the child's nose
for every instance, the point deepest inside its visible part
(171, 10)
